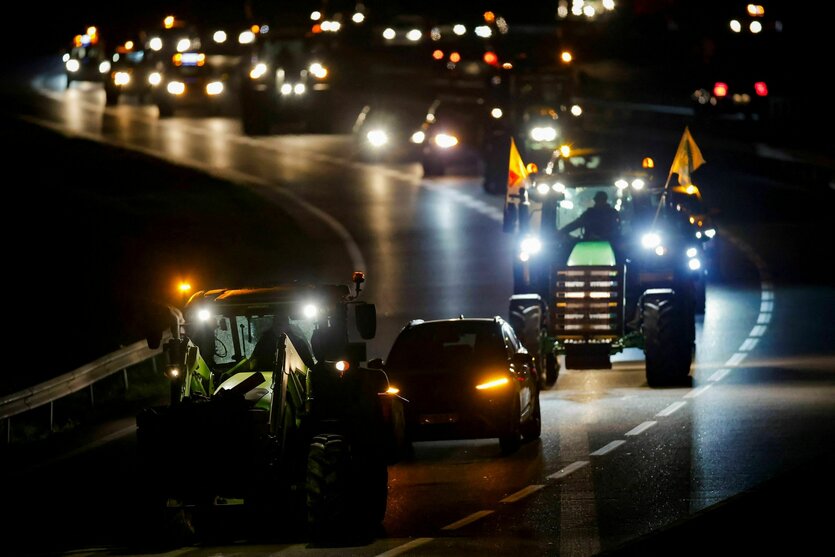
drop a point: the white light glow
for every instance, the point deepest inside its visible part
(219, 36)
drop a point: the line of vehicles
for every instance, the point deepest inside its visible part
(275, 408)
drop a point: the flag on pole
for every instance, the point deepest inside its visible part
(517, 173)
(688, 158)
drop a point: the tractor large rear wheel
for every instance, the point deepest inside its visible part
(668, 324)
(328, 486)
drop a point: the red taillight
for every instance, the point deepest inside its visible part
(491, 58)
(438, 54)
(720, 89)
(454, 57)
(761, 88)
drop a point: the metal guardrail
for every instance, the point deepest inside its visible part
(73, 381)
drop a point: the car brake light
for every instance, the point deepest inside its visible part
(720, 89)
(761, 88)
(491, 58)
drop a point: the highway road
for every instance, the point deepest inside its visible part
(617, 460)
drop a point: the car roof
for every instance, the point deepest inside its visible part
(460, 319)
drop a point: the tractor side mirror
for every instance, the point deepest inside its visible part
(157, 317)
(366, 320)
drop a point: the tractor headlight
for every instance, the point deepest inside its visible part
(692, 252)
(651, 240)
(299, 88)
(621, 184)
(310, 311)
(531, 245)
(73, 65)
(204, 315)
(318, 70)
(638, 184)
(418, 137)
(544, 134)
(694, 264)
(377, 137)
(172, 372)
(155, 78)
(542, 189)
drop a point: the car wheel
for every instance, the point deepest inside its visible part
(552, 369)
(512, 440)
(532, 429)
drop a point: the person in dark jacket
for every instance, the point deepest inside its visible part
(599, 222)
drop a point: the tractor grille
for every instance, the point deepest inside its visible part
(588, 304)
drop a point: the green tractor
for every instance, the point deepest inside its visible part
(589, 296)
(271, 414)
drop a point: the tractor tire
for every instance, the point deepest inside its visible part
(532, 429)
(328, 487)
(668, 324)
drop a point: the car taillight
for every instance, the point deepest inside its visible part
(761, 88)
(491, 58)
(720, 89)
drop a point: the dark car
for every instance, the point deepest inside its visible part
(86, 59)
(465, 378)
(385, 130)
(130, 74)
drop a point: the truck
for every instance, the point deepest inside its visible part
(271, 414)
(587, 297)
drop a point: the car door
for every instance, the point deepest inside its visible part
(514, 347)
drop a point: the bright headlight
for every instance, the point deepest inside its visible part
(621, 184)
(377, 138)
(692, 252)
(155, 43)
(318, 70)
(576, 110)
(418, 137)
(694, 264)
(531, 244)
(542, 189)
(183, 45)
(65, 58)
(650, 240)
(310, 311)
(73, 65)
(299, 88)
(219, 36)
(286, 89)
(496, 113)
(546, 133)
(155, 78)
(638, 184)
(445, 141)
(558, 187)
(104, 67)
(389, 33)
(176, 87)
(121, 78)
(204, 315)
(246, 37)
(214, 88)
(414, 35)
(258, 70)
(710, 232)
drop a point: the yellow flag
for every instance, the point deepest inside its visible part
(688, 158)
(516, 172)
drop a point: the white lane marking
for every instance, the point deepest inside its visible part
(736, 359)
(767, 294)
(765, 285)
(639, 429)
(351, 246)
(698, 391)
(764, 319)
(672, 408)
(522, 493)
(757, 331)
(467, 520)
(608, 448)
(719, 374)
(417, 542)
(178, 552)
(766, 307)
(748, 345)
(573, 467)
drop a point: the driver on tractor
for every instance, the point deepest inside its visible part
(599, 222)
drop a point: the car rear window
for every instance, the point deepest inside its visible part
(446, 345)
